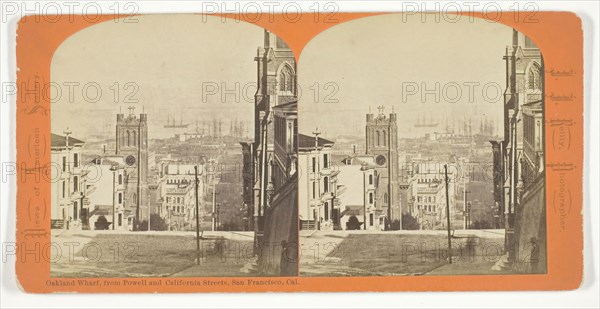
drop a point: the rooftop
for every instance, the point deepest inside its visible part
(60, 141)
(306, 142)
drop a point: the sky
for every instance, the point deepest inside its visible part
(385, 60)
(164, 62)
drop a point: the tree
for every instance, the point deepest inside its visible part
(157, 223)
(409, 222)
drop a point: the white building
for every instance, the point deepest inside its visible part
(428, 193)
(357, 187)
(68, 182)
(176, 187)
(106, 195)
(317, 184)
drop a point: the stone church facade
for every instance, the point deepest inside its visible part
(382, 144)
(132, 144)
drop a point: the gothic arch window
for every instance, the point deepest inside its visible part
(128, 138)
(534, 77)
(133, 138)
(286, 79)
(378, 138)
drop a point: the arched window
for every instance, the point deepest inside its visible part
(370, 198)
(384, 138)
(534, 74)
(120, 179)
(371, 179)
(325, 184)
(128, 138)
(134, 139)
(378, 138)
(286, 79)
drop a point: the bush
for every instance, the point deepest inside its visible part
(409, 222)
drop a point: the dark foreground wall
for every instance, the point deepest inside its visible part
(278, 255)
(530, 229)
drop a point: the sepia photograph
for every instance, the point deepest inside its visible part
(176, 155)
(422, 153)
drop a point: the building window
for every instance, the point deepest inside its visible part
(133, 133)
(75, 160)
(120, 179)
(120, 198)
(371, 198)
(370, 179)
(385, 198)
(325, 184)
(290, 137)
(63, 188)
(314, 190)
(286, 79)
(326, 211)
(64, 161)
(120, 219)
(384, 139)
(378, 138)
(75, 183)
(314, 164)
(371, 219)
(534, 77)
(325, 160)
(128, 138)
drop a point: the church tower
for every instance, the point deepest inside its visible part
(276, 86)
(382, 144)
(132, 145)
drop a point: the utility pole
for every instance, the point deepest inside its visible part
(113, 168)
(448, 215)
(214, 198)
(197, 218)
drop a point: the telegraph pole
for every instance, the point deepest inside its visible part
(214, 199)
(448, 215)
(197, 217)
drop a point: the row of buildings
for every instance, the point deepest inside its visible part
(368, 191)
(117, 191)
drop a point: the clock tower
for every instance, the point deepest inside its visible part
(382, 144)
(132, 144)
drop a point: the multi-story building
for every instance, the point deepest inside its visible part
(281, 212)
(69, 185)
(519, 157)
(318, 183)
(357, 189)
(176, 189)
(276, 83)
(424, 193)
(106, 192)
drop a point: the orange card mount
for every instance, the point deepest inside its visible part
(167, 153)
